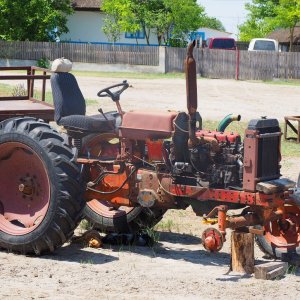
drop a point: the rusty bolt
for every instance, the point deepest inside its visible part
(26, 189)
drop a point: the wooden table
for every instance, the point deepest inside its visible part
(288, 123)
(32, 108)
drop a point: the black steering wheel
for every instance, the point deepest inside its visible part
(115, 96)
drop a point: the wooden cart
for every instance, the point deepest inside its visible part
(25, 105)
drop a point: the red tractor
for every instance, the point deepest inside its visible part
(124, 170)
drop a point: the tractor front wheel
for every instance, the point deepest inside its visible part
(282, 237)
(40, 189)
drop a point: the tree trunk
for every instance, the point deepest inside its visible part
(242, 252)
(159, 39)
(292, 29)
(147, 34)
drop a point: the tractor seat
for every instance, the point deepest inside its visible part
(95, 123)
(70, 108)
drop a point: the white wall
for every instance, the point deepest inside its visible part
(86, 26)
(212, 33)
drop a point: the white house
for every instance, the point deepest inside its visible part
(86, 24)
(205, 33)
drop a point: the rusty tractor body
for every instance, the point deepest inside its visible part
(144, 163)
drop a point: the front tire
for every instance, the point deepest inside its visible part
(281, 240)
(40, 194)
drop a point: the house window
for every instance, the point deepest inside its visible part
(140, 34)
(197, 35)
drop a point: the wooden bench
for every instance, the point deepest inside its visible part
(288, 123)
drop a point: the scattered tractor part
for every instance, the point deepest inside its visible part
(90, 238)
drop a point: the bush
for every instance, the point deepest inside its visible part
(43, 63)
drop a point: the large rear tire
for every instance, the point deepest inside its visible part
(40, 189)
(100, 213)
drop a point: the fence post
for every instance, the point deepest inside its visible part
(162, 59)
(237, 69)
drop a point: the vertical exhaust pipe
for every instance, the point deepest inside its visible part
(191, 93)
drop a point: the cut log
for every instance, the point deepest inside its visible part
(242, 252)
(270, 270)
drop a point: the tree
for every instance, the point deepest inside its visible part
(33, 20)
(167, 18)
(267, 15)
(120, 17)
(287, 16)
(185, 16)
(256, 25)
(213, 23)
(252, 28)
(111, 29)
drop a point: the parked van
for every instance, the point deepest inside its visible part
(263, 45)
(221, 43)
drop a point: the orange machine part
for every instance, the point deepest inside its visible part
(155, 149)
(111, 183)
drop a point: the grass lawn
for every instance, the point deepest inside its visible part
(293, 82)
(8, 90)
(128, 75)
(5, 90)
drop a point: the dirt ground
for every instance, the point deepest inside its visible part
(178, 267)
(216, 98)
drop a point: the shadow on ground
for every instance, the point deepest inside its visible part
(179, 238)
(75, 253)
(175, 246)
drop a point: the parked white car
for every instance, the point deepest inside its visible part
(263, 45)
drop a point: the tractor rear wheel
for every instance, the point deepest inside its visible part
(100, 213)
(40, 189)
(281, 238)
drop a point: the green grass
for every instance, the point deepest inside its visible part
(136, 75)
(128, 75)
(9, 90)
(140, 75)
(87, 262)
(165, 225)
(293, 82)
(85, 225)
(5, 90)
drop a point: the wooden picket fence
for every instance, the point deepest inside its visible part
(240, 64)
(243, 65)
(86, 53)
